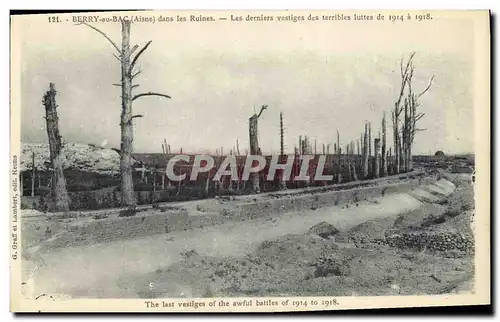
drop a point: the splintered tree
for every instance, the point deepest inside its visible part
(33, 174)
(282, 152)
(412, 116)
(282, 136)
(384, 148)
(404, 136)
(59, 193)
(254, 145)
(396, 113)
(339, 174)
(376, 161)
(128, 61)
(369, 139)
(364, 161)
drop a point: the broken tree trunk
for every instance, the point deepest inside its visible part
(369, 139)
(354, 174)
(254, 146)
(390, 162)
(384, 148)
(395, 124)
(339, 153)
(127, 134)
(348, 152)
(282, 153)
(59, 192)
(365, 153)
(376, 158)
(254, 150)
(33, 174)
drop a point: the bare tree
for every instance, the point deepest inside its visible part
(404, 69)
(413, 116)
(282, 152)
(376, 161)
(125, 55)
(404, 136)
(384, 147)
(254, 145)
(365, 153)
(59, 193)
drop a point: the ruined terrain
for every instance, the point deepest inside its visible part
(408, 237)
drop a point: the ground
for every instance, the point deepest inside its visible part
(403, 243)
(309, 265)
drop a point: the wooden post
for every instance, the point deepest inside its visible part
(33, 174)
(153, 198)
(179, 182)
(143, 173)
(59, 192)
(21, 183)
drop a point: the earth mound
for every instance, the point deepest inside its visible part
(323, 229)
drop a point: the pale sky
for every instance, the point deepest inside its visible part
(324, 76)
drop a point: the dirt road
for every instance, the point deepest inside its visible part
(101, 270)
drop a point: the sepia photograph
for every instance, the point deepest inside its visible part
(249, 160)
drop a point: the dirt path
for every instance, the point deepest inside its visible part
(96, 270)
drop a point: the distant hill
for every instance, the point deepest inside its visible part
(76, 156)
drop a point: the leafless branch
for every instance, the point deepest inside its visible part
(139, 53)
(120, 85)
(102, 33)
(149, 94)
(427, 88)
(418, 117)
(404, 81)
(134, 86)
(264, 107)
(119, 59)
(137, 73)
(138, 115)
(134, 49)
